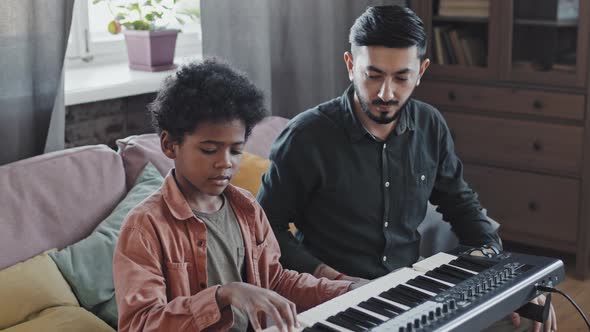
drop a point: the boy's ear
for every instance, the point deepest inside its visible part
(167, 144)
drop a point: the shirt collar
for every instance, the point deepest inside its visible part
(180, 208)
(354, 127)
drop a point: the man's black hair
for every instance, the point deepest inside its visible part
(210, 91)
(389, 26)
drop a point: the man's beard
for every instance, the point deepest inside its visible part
(382, 118)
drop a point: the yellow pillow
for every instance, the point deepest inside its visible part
(27, 288)
(250, 173)
(63, 319)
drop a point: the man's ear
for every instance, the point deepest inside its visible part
(349, 61)
(423, 67)
(167, 144)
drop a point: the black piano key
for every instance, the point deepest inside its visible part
(443, 277)
(356, 320)
(477, 261)
(346, 324)
(467, 265)
(434, 283)
(373, 308)
(394, 296)
(386, 305)
(320, 327)
(364, 315)
(450, 273)
(405, 292)
(416, 292)
(466, 274)
(422, 285)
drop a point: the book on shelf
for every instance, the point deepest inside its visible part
(473, 8)
(440, 55)
(457, 47)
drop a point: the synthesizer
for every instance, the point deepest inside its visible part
(441, 293)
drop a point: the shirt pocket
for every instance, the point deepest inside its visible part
(420, 185)
(177, 279)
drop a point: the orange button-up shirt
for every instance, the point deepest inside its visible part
(160, 265)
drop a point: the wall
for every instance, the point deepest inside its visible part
(103, 122)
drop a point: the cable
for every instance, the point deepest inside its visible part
(554, 290)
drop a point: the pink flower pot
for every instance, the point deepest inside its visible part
(151, 50)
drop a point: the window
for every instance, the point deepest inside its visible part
(90, 42)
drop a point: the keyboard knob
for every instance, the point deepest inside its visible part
(416, 323)
(477, 289)
(424, 319)
(402, 329)
(452, 304)
(470, 292)
(409, 327)
(438, 312)
(445, 308)
(431, 315)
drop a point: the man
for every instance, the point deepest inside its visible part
(355, 174)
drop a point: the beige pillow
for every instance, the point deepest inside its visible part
(29, 287)
(249, 175)
(63, 319)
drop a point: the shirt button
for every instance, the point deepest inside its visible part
(386, 224)
(423, 177)
(387, 184)
(384, 146)
(384, 258)
(203, 285)
(200, 243)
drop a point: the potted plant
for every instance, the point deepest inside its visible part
(150, 44)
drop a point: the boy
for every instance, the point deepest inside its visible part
(199, 254)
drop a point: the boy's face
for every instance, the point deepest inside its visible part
(207, 158)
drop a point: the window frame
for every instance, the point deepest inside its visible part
(83, 52)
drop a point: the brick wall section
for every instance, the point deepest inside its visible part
(103, 122)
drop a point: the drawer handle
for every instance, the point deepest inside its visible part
(537, 104)
(533, 206)
(537, 145)
(452, 96)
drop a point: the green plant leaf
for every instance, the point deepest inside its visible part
(94, 2)
(181, 21)
(140, 25)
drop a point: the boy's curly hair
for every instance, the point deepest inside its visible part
(210, 91)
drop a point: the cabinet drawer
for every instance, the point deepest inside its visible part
(533, 209)
(522, 101)
(515, 143)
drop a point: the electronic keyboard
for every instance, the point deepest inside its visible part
(441, 293)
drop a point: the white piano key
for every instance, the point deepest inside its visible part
(369, 312)
(441, 281)
(425, 291)
(354, 297)
(434, 261)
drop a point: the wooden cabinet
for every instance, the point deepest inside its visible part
(511, 79)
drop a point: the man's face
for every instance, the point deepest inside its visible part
(209, 157)
(384, 79)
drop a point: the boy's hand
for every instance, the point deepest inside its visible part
(252, 300)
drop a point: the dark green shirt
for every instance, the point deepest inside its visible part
(357, 200)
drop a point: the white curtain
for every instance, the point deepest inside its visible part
(33, 39)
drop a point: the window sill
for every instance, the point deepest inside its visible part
(96, 83)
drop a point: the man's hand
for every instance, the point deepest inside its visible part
(550, 324)
(253, 300)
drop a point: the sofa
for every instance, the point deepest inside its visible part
(60, 201)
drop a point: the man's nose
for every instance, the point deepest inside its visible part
(386, 91)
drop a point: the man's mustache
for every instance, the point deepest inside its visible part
(379, 102)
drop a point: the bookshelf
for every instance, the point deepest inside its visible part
(511, 79)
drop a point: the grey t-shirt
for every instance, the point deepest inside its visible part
(225, 253)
